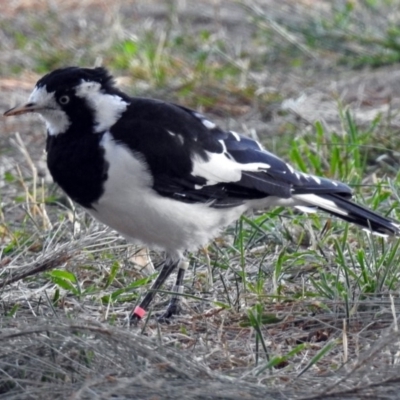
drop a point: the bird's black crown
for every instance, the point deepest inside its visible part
(72, 76)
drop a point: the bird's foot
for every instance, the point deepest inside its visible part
(137, 314)
(173, 309)
(134, 320)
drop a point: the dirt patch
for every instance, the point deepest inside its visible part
(367, 94)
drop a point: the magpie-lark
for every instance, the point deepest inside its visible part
(164, 175)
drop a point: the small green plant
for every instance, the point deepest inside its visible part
(341, 155)
(67, 281)
(255, 315)
(279, 361)
(125, 294)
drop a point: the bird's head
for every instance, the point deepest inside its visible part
(83, 98)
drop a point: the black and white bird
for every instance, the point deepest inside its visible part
(164, 175)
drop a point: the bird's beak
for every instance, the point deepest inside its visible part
(26, 108)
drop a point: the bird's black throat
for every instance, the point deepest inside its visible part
(77, 164)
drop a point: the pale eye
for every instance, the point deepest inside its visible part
(63, 100)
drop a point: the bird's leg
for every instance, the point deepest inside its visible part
(173, 306)
(139, 311)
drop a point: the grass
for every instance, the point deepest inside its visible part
(349, 33)
(307, 291)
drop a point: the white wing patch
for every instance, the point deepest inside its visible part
(107, 107)
(260, 146)
(235, 135)
(315, 178)
(223, 146)
(179, 137)
(219, 168)
(206, 122)
(290, 168)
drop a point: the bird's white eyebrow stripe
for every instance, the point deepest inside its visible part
(56, 119)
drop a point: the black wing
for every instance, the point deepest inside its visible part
(193, 160)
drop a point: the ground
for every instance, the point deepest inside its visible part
(280, 305)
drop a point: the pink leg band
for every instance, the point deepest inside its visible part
(139, 312)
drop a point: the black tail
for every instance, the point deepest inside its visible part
(347, 210)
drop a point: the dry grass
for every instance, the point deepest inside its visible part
(57, 358)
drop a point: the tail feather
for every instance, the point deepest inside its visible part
(351, 212)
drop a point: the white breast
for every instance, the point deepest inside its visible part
(130, 206)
